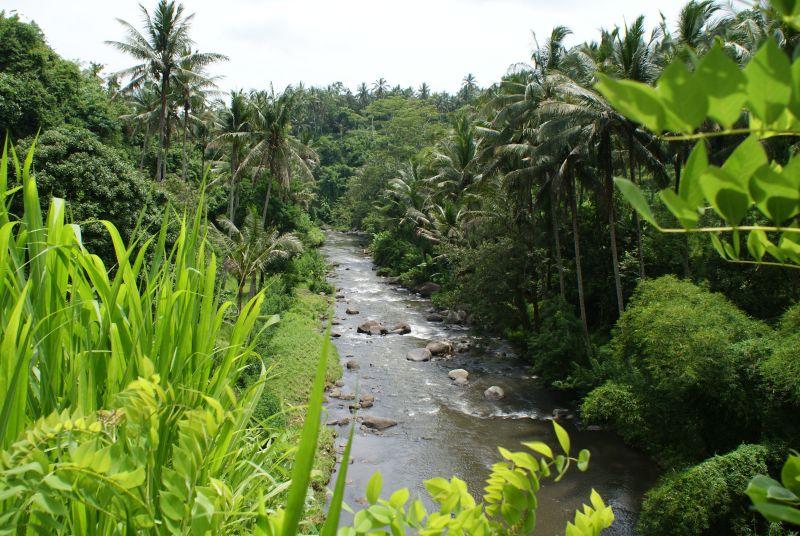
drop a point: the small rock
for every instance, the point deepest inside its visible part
(351, 311)
(372, 327)
(434, 317)
(560, 413)
(427, 289)
(593, 428)
(367, 401)
(418, 355)
(494, 393)
(335, 335)
(458, 373)
(460, 382)
(377, 423)
(339, 383)
(439, 347)
(351, 365)
(337, 393)
(344, 421)
(400, 329)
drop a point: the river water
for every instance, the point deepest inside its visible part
(444, 429)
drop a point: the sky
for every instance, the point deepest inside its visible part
(352, 41)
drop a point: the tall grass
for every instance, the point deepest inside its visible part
(119, 412)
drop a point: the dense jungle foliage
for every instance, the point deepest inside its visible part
(625, 211)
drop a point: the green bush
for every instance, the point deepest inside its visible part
(617, 405)
(558, 345)
(395, 253)
(781, 370)
(708, 498)
(97, 182)
(690, 357)
(310, 269)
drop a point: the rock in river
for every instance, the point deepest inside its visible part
(418, 355)
(351, 311)
(377, 423)
(427, 289)
(400, 329)
(366, 401)
(440, 347)
(434, 317)
(458, 373)
(351, 365)
(494, 393)
(372, 327)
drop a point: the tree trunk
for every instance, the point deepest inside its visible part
(612, 224)
(234, 180)
(162, 126)
(144, 147)
(266, 203)
(185, 132)
(576, 238)
(557, 245)
(637, 219)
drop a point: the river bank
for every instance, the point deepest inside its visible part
(445, 429)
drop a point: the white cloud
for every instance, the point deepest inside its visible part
(352, 41)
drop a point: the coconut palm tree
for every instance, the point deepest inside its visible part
(469, 87)
(146, 103)
(380, 88)
(424, 91)
(233, 129)
(273, 146)
(250, 249)
(193, 86)
(456, 160)
(161, 48)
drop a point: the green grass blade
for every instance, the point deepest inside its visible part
(304, 461)
(335, 510)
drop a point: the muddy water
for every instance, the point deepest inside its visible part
(448, 430)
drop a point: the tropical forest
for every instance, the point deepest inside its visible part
(562, 301)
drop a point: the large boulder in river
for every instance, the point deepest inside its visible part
(372, 327)
(377, 423)
(458, 373)
(418, 355)
(426, 290)
(351, 311)
(403, 328)
(439, 347)
(494, 393)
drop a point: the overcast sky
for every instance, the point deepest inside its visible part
(322, 41)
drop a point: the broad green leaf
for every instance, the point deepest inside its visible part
(374, 487)
(583, 460)
(563, 437)
(725, 193)
(399, 498)
(775, 194)
(686, 215)
(757, 244)
(636, 101)
(746, 159)
(724, 84)
(635, 197)
(540, 447)
(769, 82)
(790, 474)
(689, 188)
(685, 104)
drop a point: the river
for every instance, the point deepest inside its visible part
(444, 429)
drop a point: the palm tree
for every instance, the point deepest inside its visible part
(161, 50)
(234, 128)
(145, 102)
(456, 160)
(274, 148)
(424, 91)
(469, 87)
(192, 86)
(363, 94)
(250, 249)
(380, 87)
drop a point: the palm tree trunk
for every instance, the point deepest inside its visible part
(576, 238)
(162, 126)
(557, 244)
(185, 161)
(144, 147)
(612, 223)
(234, 181)
(266, 202)
(637, 219)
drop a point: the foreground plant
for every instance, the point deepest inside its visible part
(750, 193)
(118, 413)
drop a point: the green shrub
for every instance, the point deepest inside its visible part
(395, 253)
(708, 498)
(690, 356)
(617, 405)
(558, 346)
(96, 180)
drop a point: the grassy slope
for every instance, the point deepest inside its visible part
(293, 349)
